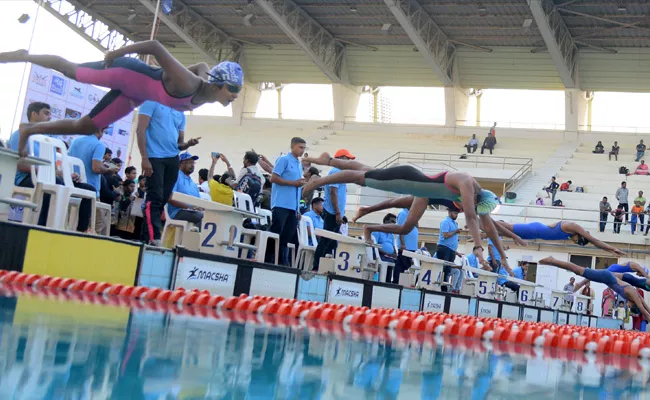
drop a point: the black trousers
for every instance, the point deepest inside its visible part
(85, 207)
(485, 147)
(325, 245)
(472, 148)
(159, 188)
(447, 254)
(284, 224)
(402, 263)
(603, 221)
(626, 208)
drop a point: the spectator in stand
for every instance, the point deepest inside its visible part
(472, 145)
(185, 184)
(114, 179)
(408, 242)
(315, 212)
(637, 318)
(344, 226)
(221, 186)
(306, 164)
(641, 202)
(493, 131)
(161, 137)
(589, 292)
(608, 302)
(618, 214)
(620, 312)
(287, 182)
(520, 271)
(614, 151)
(125, 227)
(335, 199)
(204, 182)
(637, 214)
(142, 186)
(489, 143)
(130, 173)
(108, 153)
(448, 244)
(641, 169)
(551, 189)
(386, 241)
(566, 187)
(249, 166)
(265, 196)
(640, 150)
(622, 197)
(600, 149)
(539, 201)
(605, 210)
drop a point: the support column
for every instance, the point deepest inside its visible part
(575, 110)
(456, 104)
(246, 105)
(346, 101)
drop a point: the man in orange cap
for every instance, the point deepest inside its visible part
(335, 196)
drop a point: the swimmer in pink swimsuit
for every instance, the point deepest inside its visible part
(132, 82)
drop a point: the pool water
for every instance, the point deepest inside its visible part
(53, 349)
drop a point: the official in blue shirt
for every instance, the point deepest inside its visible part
(405, 242)
(161, 137)
(386, 240)
(286, 192)
(335, 198)
(521, 270)
(494, 258)
(185, 184)
(448, 246)
(314, 214)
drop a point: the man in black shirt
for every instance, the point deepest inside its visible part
(489, 143)
(640, 150)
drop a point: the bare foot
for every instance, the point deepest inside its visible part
(323, 159)
(362, 212)
(547, 261)
(14, 56)
(312, 184)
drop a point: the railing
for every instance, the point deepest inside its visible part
(422, 160)
(510, 125)
(613, 129)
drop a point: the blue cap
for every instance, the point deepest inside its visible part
(227, 72)
(187, 156)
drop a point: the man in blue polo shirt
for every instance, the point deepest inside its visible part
(185, 184)
(286, 192)
(334, 210)
(448, 246)
(494, 259)
(407, 242)
(160, 133)
(386, 240)
(314, 213)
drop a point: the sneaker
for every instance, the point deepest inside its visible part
(155, 243)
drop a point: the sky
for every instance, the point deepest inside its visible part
(515, 108)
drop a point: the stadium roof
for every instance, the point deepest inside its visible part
(516, 44)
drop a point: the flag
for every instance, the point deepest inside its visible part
(166, 6)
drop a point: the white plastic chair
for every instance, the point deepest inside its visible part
(244, 202)
(76, 165)
(205, 196)
(306, 251)
(180, 227)
(266, 214)
(45, 182)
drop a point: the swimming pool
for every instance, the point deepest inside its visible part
(52, 348)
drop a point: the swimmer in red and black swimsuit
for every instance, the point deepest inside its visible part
(449, 189)
(132, 82)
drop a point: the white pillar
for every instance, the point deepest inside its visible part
(575, 110)
(456, 104)
(246, 105)
(346, 101)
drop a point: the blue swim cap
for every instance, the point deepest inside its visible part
(227, 72)
(486, 202)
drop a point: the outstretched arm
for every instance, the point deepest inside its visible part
(598, 243)
(632, 294)
(417, 209)
(468, 195)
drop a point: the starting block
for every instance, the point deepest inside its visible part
(221, 226)
(559, 301)
(527, 294)
(350, 258)
(580, 303)
(431, 271)
(486, 287)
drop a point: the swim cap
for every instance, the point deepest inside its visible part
(227, 72)
(582, 241)
(486, 202)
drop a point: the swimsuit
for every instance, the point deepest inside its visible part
(131, 82)
(641, 283)
(537, 230)
(606, 277)
(406, 179)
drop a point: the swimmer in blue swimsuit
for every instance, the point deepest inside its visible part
(562, 230)
(620, 269)
(454, 190)
(603, 276)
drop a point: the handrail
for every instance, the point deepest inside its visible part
(475, 160)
